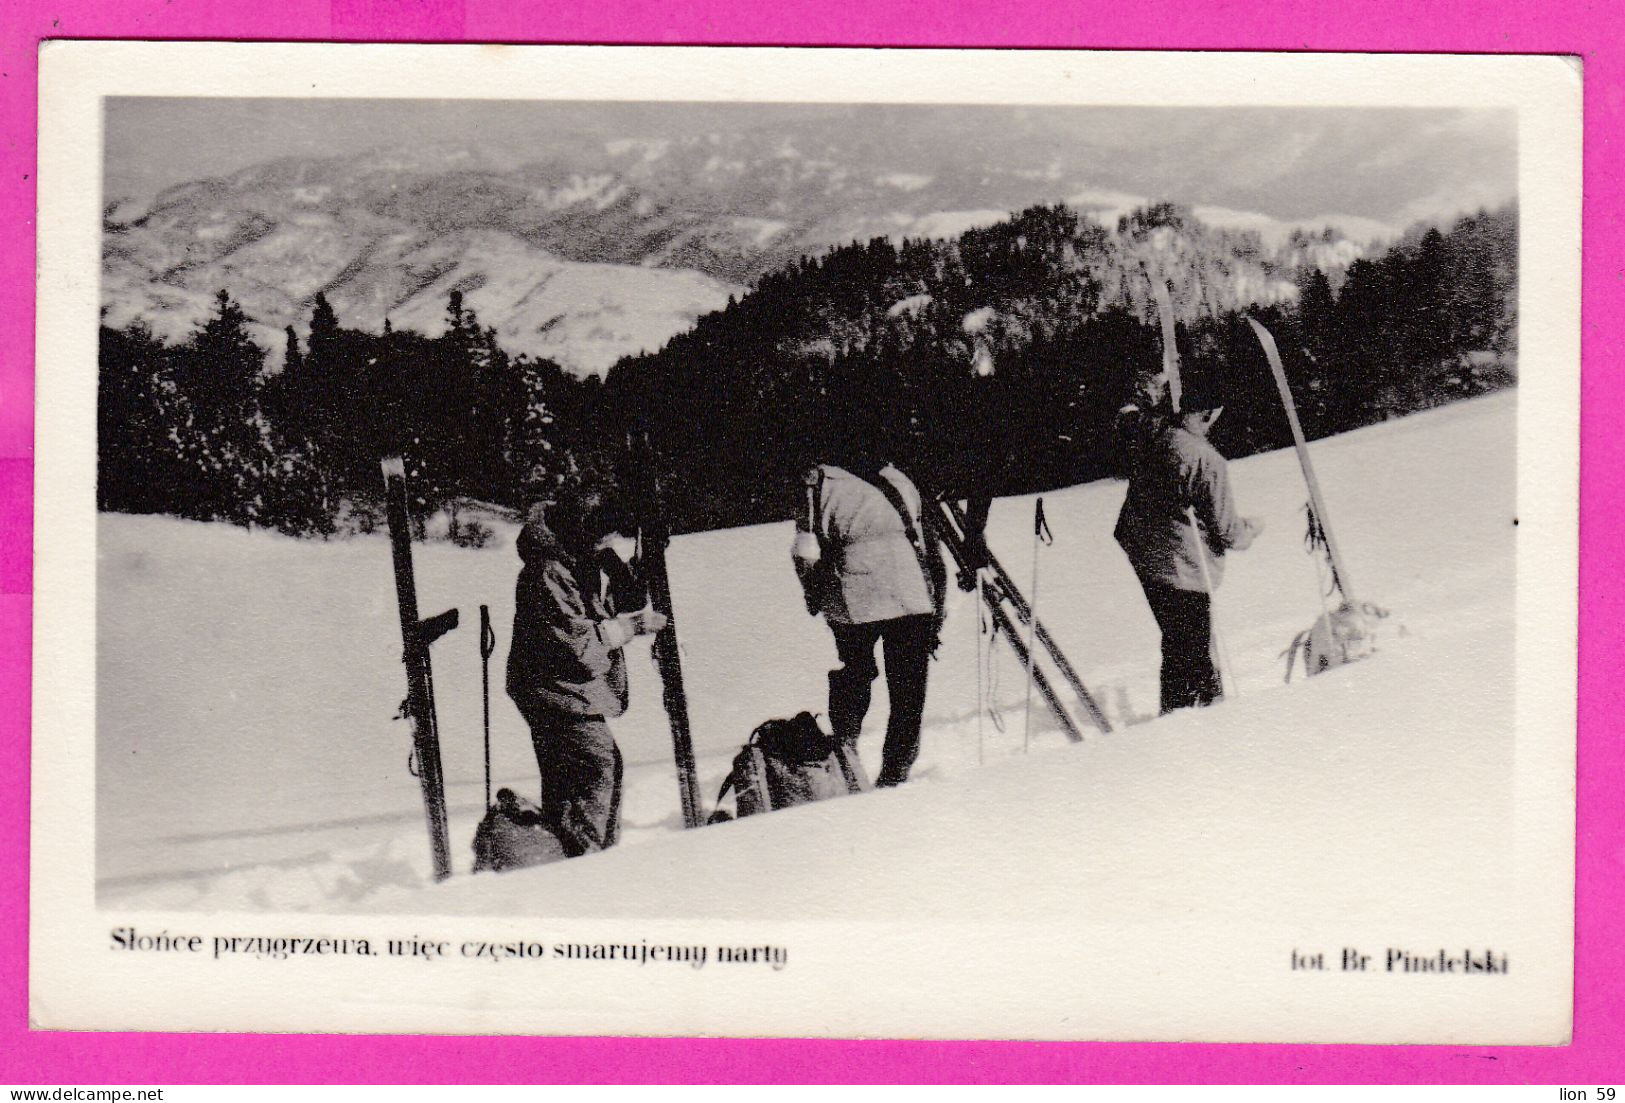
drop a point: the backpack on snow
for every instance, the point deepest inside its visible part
(513, 835)
(1344, 635)
(790, 762)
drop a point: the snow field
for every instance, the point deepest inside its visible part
(246, 758)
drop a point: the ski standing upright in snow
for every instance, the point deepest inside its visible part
(1170, 350)
(1317, 504)
(654, 534)
(1346, 633)
(417, 635)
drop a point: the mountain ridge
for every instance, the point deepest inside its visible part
(585, 256)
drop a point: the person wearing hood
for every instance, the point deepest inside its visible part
(566, 670)
(867, 560)
(1176, 472)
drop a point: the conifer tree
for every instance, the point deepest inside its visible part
(292, 359)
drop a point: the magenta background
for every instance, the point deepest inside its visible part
(1568, 26)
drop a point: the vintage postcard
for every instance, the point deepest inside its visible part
(768, 542)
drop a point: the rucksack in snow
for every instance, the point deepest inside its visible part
(514, 834)
(790, 762)
(1344, 635)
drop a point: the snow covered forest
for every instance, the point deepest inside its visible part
(218, 427)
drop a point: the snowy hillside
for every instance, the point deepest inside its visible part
(275, 243)
(621, 243)
(246, 758)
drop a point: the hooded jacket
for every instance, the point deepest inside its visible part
(1174, 470)
(559, 659)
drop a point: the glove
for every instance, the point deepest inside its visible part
(644, 622)
(806, 550)
(1251, 527)
(618, 631)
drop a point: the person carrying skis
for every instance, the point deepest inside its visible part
(1175, 471)
(566, 672)
(868, 561)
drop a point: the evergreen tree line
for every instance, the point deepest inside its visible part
(995, 361)
(203, 430)
(998, 361)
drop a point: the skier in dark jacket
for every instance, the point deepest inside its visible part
(566, 672)
(1176, 471)
(868, 561)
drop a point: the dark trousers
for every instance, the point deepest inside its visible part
(581, 778)
(907, 644)
(1190, 676)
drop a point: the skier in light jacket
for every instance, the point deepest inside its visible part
(1174, 468)
(869, 561)
(566, 672)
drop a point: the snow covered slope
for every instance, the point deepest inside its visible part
(246, 758)
(584, 315)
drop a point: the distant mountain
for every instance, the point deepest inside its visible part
(387, 237)
(598, 251)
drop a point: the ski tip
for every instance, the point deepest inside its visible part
(394, 467)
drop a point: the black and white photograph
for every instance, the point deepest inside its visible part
(986, 538)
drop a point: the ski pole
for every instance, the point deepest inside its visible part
(1041, 536)
(1057, 657)
(981, 677)
(1227, 674)
(488, 647)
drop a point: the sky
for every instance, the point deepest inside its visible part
(1392, 164)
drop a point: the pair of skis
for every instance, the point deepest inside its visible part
(1010, 613)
